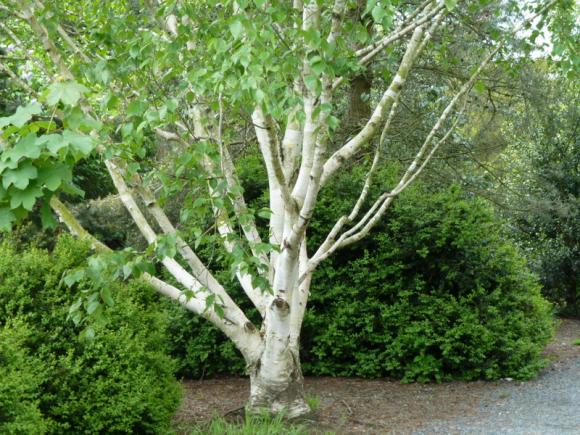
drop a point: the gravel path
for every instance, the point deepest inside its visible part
(547, 405)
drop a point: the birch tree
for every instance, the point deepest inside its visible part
(126, 80)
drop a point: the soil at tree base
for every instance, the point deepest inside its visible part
(549, 404)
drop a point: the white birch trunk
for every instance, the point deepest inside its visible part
(276, 378)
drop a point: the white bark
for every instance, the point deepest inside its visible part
(259, 299)
(382, 108)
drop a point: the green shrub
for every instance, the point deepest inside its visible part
(436, 292)
(121, 381)
(200, 349)
(21, 377)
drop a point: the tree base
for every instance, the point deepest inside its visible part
(281, 397)
(290, 411)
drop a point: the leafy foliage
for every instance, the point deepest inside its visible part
(36, 166)
(543, 163)
(120, 381)
(252, 425)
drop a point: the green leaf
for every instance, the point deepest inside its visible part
(54, 142)
(25, 198)
(312, 83)
(7, 164)
(6, 219)
(378, 13)
(47, 217)
(209, 301)
(19, 177)
(101, 72)
(73, 189)
(53, 176)
(26, 147)
(76, 118)
(136, 108)
(219, 311)
(22, 115)
(87, 334)
(67, 92)
(82, 143)
(127, 270)
(72, 278)
(93, 306)
(450, 4)
(263, 248)
(107, 297)
(75, 307)
(237, 28)
(166, 246)
(265, 213)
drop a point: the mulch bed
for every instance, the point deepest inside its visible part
(350, 405)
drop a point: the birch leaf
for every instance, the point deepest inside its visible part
(66, 92)
(20, 177)
(450, 4)
(22, 115)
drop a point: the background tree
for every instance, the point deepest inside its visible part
(541, 168)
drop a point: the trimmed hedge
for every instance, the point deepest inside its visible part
(122, 381)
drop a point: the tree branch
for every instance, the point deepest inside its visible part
(246, 337)
(383, 107)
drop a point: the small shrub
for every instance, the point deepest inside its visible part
(120, 382)
(200, 349)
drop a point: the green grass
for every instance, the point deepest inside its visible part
(576, 342)
(313, 402)
(253, 425)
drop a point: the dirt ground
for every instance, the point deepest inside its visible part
(350, 405)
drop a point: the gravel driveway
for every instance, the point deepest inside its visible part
(547, 405)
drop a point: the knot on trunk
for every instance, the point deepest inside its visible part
(281, 305)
